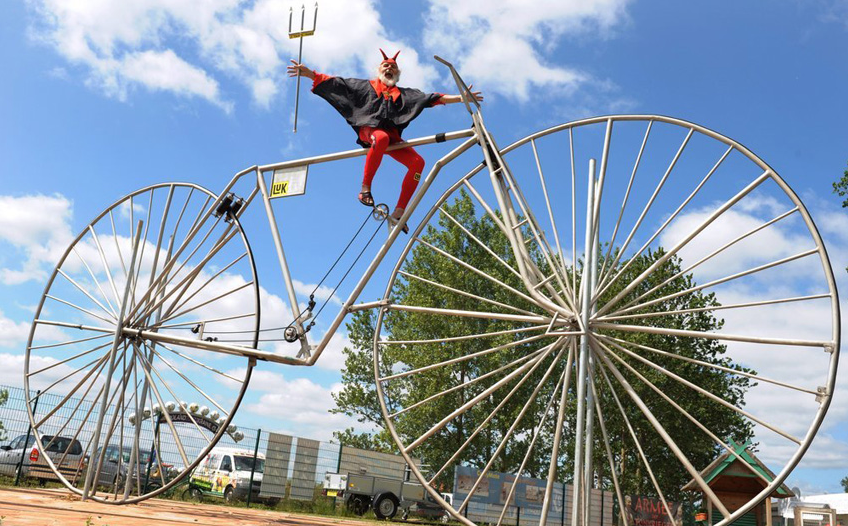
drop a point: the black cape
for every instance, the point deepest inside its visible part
(358, 102)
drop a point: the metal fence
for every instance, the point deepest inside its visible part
(295, 467)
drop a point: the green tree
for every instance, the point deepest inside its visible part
(4, 397)
(840, 188)
(358, 397)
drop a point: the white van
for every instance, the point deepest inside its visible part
(225, 473)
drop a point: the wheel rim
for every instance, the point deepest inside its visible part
(386, 507)
(184, 269)
(517, 349)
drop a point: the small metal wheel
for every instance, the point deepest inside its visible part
(385, 507)
(633, 311)
(380, 212)
(157, 263)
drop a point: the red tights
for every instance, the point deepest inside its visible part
(379, 140)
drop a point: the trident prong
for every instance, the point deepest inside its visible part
(299, 35)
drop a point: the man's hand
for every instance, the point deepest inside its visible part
(477, 95)
(451, 99)
(303, 70)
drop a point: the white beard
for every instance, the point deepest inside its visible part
(387, 81)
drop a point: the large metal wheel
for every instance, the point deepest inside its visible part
(142, 412)
(679, 318)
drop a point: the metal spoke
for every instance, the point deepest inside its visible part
(550, 211)
(708, 394)
(69, 342)
(188, 280)
(502, 403)
(201, 364)
(110, 311)
(673, 251)
(713, 335)
(610, 459)
(648, 206)
(638, 445)
(602, 272)
(463, 358)
(77, 307)
(207, 302)
(706, 258)
(95, 367)
(560, 425)
(176, 304)
(713, 283)
(471, 314)
(679, 209)
(462, 338)
(615, 316)
(705, 488)
(574, 299)
(463, 293)
(683, 411)
(174, 395)
(479, 243)
(184, 377)
(106, 268)
(478, 272)
(117, 245)
(471, 403)
(465, 384)
(494, 217)
(506, 437)
(74, 357)
(539, 426)
(146, 370)
(702, 363)
(166, 270)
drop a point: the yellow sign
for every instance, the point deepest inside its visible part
(289, 181)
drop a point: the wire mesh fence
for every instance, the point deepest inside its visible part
(250, 465)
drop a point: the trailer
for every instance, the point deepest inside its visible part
(385, 496)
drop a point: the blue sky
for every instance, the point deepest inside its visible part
(101, 99)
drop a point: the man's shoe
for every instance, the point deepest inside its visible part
(366, 199)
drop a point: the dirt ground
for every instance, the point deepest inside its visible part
(55, 507)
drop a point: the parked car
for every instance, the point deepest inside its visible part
(225, 473)
(116, 466)
(21, 453)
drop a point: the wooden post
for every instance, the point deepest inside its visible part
(768, 511)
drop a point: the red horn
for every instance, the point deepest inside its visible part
(396, 54)
(385, 57)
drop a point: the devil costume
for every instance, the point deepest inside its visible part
(378, 114)
(372, 103)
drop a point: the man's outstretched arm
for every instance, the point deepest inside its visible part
(451, 99)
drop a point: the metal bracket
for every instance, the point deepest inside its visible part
(823, 393)
(229, 207)
(829, 348)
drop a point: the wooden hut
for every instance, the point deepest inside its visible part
(736, 479)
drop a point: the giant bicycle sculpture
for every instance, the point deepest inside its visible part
(600, 347)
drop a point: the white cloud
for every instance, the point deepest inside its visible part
(13, 333)
(502, 46)
(39, 227)
(166, 71)
(190, 48)
(299, 405)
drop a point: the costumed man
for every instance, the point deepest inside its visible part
(378, 111)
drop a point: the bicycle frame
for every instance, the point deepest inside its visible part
(503, 184)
